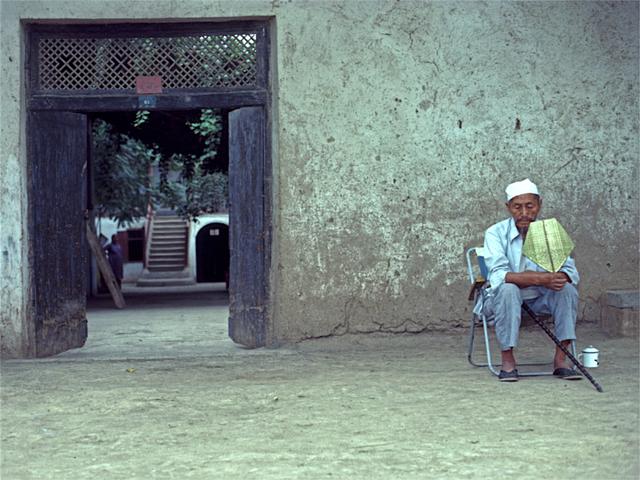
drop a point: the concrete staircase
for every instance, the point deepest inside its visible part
(168, 244)
(166, 253)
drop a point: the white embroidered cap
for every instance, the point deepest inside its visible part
(521, 188)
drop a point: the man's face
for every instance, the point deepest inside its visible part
(524, 210)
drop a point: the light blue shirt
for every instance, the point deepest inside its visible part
(503, 254)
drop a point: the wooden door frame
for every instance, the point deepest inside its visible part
(228, 99)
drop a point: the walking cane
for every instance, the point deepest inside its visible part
(562, 347)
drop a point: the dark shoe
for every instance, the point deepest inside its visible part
(567, 374)
(511, 376)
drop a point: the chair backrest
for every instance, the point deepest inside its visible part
(476, 266)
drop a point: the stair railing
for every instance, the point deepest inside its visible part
(147, 235)
(186, 243)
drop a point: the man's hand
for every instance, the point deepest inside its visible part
(555, 281)
(552, 281)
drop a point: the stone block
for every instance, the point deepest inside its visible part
(623, 298)
(621, 322)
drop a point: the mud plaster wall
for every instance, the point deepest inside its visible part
(395, 135)
(394, 154)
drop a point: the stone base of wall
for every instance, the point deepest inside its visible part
(621, 316)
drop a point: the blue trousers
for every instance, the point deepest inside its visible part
(505, 307)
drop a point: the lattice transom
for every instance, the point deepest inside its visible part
(189, 62)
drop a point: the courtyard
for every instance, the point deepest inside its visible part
(159, 391)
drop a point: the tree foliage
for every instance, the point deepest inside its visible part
(185, 183)
(122, 184)
(209, 128)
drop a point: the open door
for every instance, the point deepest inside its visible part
(247, 229)
(58, 252)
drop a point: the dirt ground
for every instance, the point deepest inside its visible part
(160, 392)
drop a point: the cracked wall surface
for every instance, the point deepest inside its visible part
(394, 155)
(397, 126)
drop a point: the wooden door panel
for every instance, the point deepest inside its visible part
(247, 229)
(58, 253)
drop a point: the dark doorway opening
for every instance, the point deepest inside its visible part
(135, 245)
(212, 253)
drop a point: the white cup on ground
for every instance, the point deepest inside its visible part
(589, 356)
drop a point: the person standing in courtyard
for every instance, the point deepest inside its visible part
(514, 279)
(114, 251)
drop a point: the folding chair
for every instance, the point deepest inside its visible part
(477, 270)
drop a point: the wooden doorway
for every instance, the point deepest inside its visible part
(65, 98)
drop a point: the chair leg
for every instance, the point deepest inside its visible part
(472, 333)
(472, 336)
(489, 363)
(487, 347)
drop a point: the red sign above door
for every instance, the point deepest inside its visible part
(147, 85)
